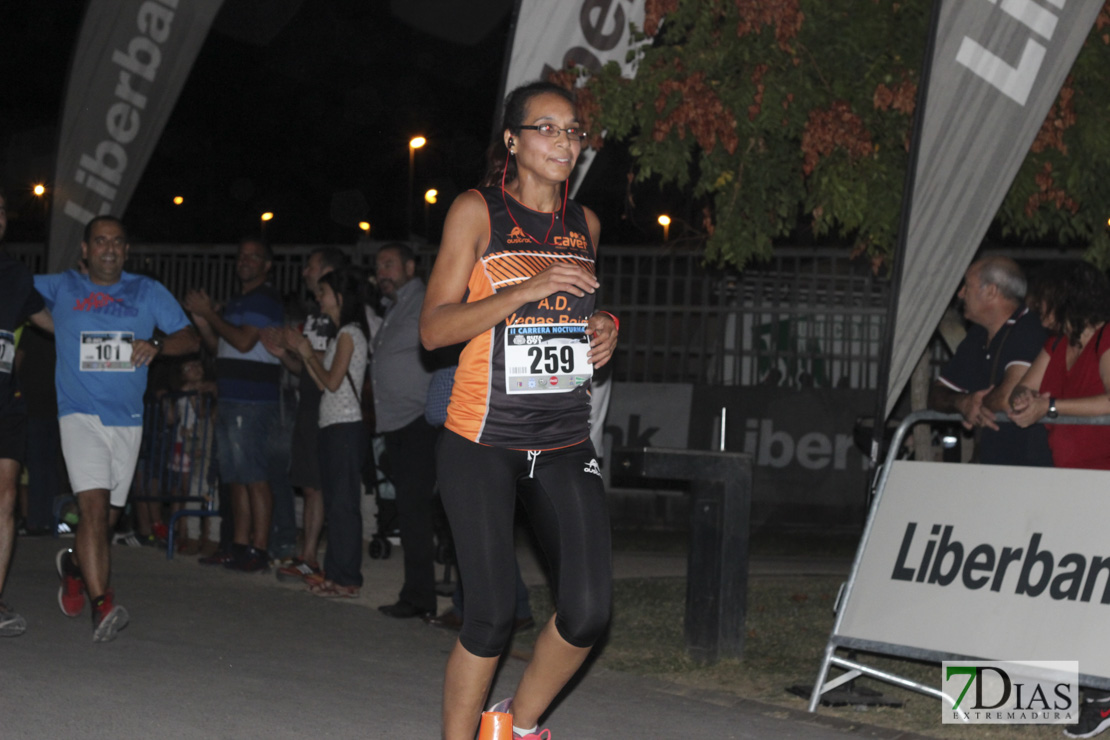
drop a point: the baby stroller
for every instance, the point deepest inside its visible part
(388, 532)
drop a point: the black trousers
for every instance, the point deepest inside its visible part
(411, 451)
(44, 446)
(341, 450)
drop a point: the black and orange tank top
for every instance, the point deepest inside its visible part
(525, 383)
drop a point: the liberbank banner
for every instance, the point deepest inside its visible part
(132, 59)
(996, 69)
(807, 468)
(985, 561)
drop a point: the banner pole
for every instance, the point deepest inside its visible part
(886, 354)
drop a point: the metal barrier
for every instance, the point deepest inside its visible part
(854, 669)
(177, 457)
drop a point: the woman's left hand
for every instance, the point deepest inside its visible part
(603, 333)
(1029, 413)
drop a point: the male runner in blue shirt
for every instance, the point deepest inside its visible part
(104, 326)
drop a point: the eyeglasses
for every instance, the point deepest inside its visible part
(103, 241)
(551, 130)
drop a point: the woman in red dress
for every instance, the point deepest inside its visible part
(1071, 375)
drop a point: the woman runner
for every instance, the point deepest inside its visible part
(514, 279)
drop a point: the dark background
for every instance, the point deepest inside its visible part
(302, 108)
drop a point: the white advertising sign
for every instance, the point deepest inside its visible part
(986, 561)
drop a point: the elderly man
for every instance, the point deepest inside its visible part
(104, 326)
(1003, 341)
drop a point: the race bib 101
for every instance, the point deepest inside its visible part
(106, 351)
(546, 358)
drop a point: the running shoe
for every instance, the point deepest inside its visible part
(71, 594)
(506, 706)
(108, 619)
(252, 560)
(127, 539)
(1094, 717)
(11, 624)
(220, 557)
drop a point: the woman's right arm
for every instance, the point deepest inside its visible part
(1024, 411)
(299, 344)
(445, 319)
(329, 378)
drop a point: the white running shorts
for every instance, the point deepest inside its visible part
(99, 456)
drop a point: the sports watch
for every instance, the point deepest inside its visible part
(1052, 412)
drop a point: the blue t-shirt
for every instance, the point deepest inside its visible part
(94, 326)
(252, 376)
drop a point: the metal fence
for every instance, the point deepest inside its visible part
(806, 318)
(210, 266)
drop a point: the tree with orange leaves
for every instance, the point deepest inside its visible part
(779, 117)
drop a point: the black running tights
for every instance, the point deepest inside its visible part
(564, 498)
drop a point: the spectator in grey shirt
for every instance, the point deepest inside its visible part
(400, 380)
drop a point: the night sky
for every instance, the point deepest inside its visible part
(302, 108)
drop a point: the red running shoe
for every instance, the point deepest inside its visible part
(71, 594)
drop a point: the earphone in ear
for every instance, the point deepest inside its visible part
(510, 142)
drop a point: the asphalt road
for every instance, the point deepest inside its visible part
(214, 654)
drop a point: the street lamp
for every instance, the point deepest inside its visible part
(39, 191)
(430, 198)
(665, 222)
(415, 143)
(178, 200)
(267, 216)
(362, 242)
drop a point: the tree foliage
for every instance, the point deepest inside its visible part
(783, 115)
